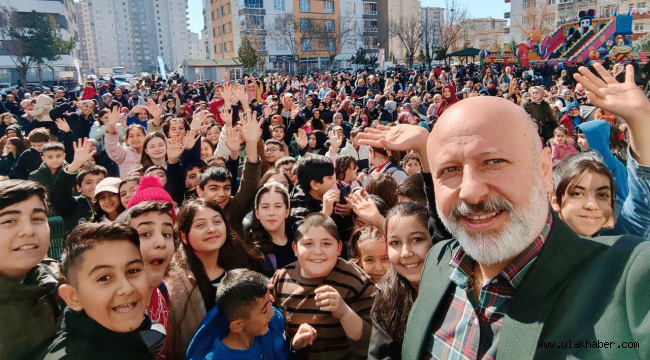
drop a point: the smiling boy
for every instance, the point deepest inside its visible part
(53, 156)
(330, 294)
(151, 214)
(107, 293)
(29, 308)
(244, 324)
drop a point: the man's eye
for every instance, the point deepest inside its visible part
(104, 278)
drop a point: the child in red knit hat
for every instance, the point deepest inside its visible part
(151, 212)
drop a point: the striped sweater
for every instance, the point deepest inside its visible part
(294, 296)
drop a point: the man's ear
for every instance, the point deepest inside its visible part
(546, 166)
(69, 294)
(78, 188)
(199, 191)
(340, 248)
(42, 158)
(237, 326)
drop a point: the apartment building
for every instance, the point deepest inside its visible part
(317, 33)
(63, 12)
(485, 33)
(404, 10)
(133, 33)
(432, 19)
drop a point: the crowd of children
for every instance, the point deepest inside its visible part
(249, 228)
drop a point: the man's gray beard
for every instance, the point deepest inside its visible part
(492, 247)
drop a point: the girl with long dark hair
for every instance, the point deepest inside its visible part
(269, 232)
(408, 240)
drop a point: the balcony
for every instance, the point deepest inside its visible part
(370, 29)
(506, 15)
(506, 30)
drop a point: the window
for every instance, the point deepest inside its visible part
(251, 21)
(329, 7)
(215, 15)
(350, 44)
(329, 25)
(330, 45)
(252, 4)
(305, 25)
(305, 6)
(526, 4)
(640, 5)
(305, 44)
(370, 25)
(351, 25)
(278, 5)
(369, 8)
(225, 10)
(551, 2)
(227, 28)
(351, 8)
(216, 31)
(281, 45)
(370, 42)
(217, 48)
(638, 27)
(227, 46)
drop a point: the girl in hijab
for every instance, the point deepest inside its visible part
(448, 99)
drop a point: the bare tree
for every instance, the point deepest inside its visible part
(285, 32)
(327, 39)
(429, 39)
(409, 33)
(538, 15)
(453, 28)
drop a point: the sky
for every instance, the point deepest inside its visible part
(477, 8)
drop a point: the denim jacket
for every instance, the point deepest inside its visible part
(634, 215)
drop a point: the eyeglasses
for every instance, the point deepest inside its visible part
(271, 150)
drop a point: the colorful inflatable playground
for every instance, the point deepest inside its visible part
(577, 41)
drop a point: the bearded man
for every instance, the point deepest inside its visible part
(516, 282)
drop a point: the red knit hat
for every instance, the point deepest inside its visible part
(151, 189)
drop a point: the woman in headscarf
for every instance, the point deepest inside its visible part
(448, 99)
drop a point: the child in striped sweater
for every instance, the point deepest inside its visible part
(325, 300)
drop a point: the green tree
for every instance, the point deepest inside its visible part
(422, 58)
(360, 57)
(32, 39)
(440, 53)
(247, 55)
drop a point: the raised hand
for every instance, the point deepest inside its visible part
(62, 125)
(622, 99)
(175, 148)
(301, 138)
(240, 93)
(227, 94)
(335, 140)
(84, 150)
(197, 121)
(190, 139)
(402, 137)
(306, 335)
(365, 208)
(625, 100)
(224, 72)
(232, 139)
(330, 197)
(251, 128)
(153, 108)
(266, 111)
(295, 111)
(328, 299)
(226, 115)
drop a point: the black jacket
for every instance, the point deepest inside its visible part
(30, 160)
(79, 125)
(83, 338)
(74, 210)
